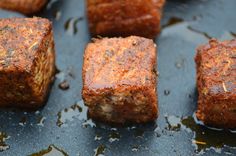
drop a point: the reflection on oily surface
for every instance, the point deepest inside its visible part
(100, 150)
(208, 138)
(76, 111)
(204, 138)
(51, 151)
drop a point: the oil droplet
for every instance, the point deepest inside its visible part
(114, 136)
(57, 70)
(3, 145)
(100, 150)
(139, 133)
(233, 34)
(76, 111)
(51, 3)
(51, 151)
(71, 72)
(135, 148)
(199, 32)
(64, 85)
(57, 15)
(173, 21)
(97, 137)
(208, 138)
(129, 128)
(61, 76)
(166, 92)
(197, 17)
(69, 114)
(113, 129)
(180, 63)
(22, 121)
(158, 132)
(37, 112)
(71, 25)
(88, 122)
(174, 123)
(41, 121)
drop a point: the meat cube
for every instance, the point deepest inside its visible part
(124, 17)
(216, 81)
(23, 6)
(27, 62)
(119, 80)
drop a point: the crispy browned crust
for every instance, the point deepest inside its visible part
(216, 81)
(124, 17)
(27, 62)
(119, 80)
(23, 6)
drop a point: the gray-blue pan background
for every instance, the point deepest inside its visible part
(187, 23)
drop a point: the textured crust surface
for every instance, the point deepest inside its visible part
(23, 6)
(120, 80)
(216, 80)
(27, 61)
(125, 17)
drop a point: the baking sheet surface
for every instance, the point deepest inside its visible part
(63, 124)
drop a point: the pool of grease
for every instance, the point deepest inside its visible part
(3, 145)
(208, 137)
(62, 126)
(51, 151)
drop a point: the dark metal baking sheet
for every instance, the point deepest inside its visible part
(188, 23)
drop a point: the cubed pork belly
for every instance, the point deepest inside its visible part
(109, 18)
(216, 82)
(119, 80)
(27, 62)
(23, 6)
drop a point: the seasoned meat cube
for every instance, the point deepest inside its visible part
(125, 17)
(216, 81)
(23, 6)
(27, 61)
(119, 80)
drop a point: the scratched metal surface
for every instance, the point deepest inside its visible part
(196, 21)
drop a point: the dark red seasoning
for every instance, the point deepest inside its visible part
(27, 61)
(119, 80)
(125, 17)
(23, 6)
(216, 82)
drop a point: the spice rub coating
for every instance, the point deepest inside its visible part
(23, 6)
(124, 17)
(216, 82)
(27, 61)
(119, 80)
